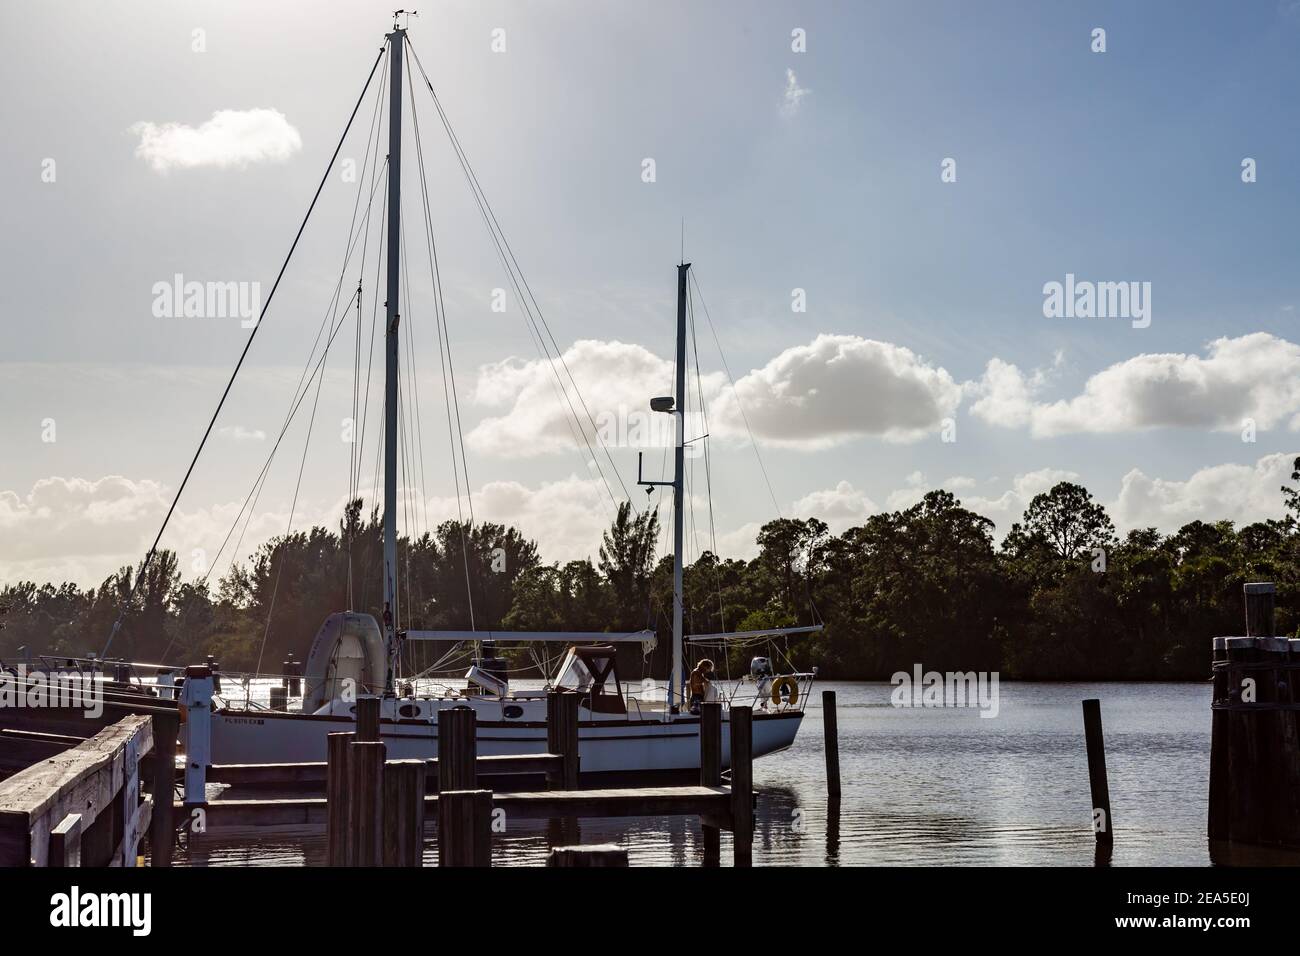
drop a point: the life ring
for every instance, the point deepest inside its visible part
(782, 686)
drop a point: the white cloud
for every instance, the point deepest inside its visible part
(1255, 376)
(837, 388)
(840, 507)
(566, 518)
(741, 543)
(1009, 507)
(616, 381)
(1240, 493)
(81, 530)
(794, 94)
(230, 138)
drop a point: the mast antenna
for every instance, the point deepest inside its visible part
(404, 13)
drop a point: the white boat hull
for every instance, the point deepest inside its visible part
(605, 745)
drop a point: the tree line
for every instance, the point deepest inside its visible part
(1061, 597)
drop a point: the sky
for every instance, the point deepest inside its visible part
(876, 199)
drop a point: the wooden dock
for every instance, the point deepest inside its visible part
(1254, 811)
(375, 811)
(86, 805)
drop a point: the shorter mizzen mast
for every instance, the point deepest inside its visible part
(676, 406)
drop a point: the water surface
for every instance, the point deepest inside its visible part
(929, 787)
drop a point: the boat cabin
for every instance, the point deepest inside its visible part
(591, 671)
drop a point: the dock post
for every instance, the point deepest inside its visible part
(1259, 608)
(367, 719)
(832, 734)
(710, 774)
(1243, 740)
(65, 843)
(605, 854)
(457, 749)
(337, 777)
(1217, 824)
(162, 829)
(366, 803)
(742, 784)
(1103, 824)
(196, 699)
(464, 827)
(562, 734)
(404, 812)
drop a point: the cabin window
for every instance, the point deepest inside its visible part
(514, 710)
(408, 710)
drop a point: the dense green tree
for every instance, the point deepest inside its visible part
(925, 585)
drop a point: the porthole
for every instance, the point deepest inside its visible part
(513, 710)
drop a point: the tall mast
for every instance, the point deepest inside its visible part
(396, 41)
(675, 690)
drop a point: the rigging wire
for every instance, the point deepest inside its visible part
(300, 392)
(117, 625)
(451, 397)
(524, 292)
(730, 378)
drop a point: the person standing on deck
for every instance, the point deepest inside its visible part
(699, 682)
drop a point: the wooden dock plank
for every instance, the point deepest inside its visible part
(713, 802)
(313, 774)
(84, 780)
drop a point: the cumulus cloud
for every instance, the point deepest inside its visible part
(616, 381)
(916, 485)
(81, 530)
(1254, 377)
(794, 94)
(840, 507)
(1009, 507)
(837, 388)
(566, 518)
(1239, 493)
(231, 138)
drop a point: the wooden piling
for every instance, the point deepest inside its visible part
(65, 842)
(562, 735)
(1103, 822)
(710, 774)
(1243, 741)
(337, 778)
(465, 828)
(162, 826)
(742, 784)
(457, 749)
(366, 803)
(605, 854)
(1217, 824)
(832, 735)
(367, 719)
(1259, 608)
(404, 812)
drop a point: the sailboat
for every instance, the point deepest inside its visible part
(620, 731)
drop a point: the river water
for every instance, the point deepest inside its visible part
(921, 786)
